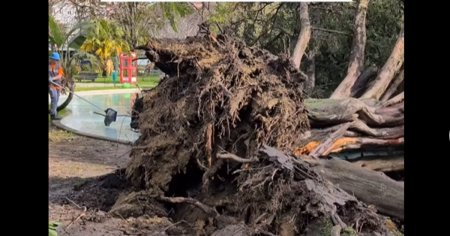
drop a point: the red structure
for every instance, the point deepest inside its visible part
(128, 68)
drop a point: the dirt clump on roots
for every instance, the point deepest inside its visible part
(217, 97)
(214, 134)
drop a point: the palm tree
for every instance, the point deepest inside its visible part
(56, 35)
(105, 39)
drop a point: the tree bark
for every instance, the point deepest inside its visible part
(304, 36)
(356, 63)
(311, 73)
(368, 186)
(397, 99)
(133, 38)
(345, 143)
(389, 70)
(384, 164)
(327, 112)
(356, 131)
(394, 86)
(363, 82)
(324, 148)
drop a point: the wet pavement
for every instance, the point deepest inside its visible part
(80, 116)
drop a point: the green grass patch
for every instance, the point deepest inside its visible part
(108, 79)
(143, 82)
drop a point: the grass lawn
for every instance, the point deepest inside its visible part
(143, 82)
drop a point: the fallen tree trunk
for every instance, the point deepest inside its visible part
(374, 187)
(357, 131)
(327, 146)
(383, 164)
(369, 186)
(393, 87)
(344, 143)
(328, 112)
(397, 99)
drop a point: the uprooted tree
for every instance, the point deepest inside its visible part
(229, 141)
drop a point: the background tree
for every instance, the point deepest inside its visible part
(276, 27)
(105, 39)
(62, 40)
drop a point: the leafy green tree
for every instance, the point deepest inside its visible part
(106, 40)
(276, 26)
